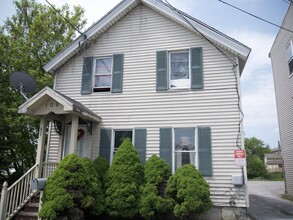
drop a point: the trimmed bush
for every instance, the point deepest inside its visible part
(256, 168)
(122, 182)
(153, 204)
(74, 185)
(101, 165)
(189, 191)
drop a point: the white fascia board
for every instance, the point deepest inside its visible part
(90, 33)
(68, 106)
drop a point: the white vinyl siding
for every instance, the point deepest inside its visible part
(283, 82)
(139, 35)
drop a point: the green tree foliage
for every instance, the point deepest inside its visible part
(189, 191)
(101, 165)
(256, 168)
(28, 40)
(74, 184)
(255, 152)
(157, 172)
(256, 147)
(122, 182)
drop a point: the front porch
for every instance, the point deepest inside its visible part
(64, 115)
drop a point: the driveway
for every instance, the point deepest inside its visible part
(265, 201)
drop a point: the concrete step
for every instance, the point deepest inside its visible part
(24, 215)
(31, 207)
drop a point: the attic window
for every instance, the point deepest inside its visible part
(103, 74)
(289, 54)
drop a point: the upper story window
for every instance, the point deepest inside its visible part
(289, 54)
(103, 74)
(179, 69)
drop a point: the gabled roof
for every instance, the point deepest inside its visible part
(124, 7)
(41, 104)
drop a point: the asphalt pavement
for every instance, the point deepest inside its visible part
(265, 201)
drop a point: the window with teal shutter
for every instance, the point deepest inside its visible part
(117, 74)
(162, 70)
(105, 143)
(196, 68)
(140, 142)
(205, 151)
(86, 81)
(166, 145)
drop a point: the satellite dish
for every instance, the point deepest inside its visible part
(23, 82)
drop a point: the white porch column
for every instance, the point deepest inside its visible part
(41, 146)
(73, 135)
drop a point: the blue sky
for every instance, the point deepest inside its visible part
(257, 86)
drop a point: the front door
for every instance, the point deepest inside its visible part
(82, 141)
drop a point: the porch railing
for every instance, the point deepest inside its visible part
(48, 169)
(16, 196)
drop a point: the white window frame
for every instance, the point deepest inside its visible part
(113, 140)
(102, 88)
(195, 147)
(182, 83)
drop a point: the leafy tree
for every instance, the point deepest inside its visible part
(154, 202)
(122, 182)
(73, 185)
(256, 147)
(28, 40)
(189, 191)
(256, 168)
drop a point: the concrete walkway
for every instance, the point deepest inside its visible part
(265, 201)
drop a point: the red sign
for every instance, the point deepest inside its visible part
(239, 154)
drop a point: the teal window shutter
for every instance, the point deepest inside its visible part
(117, 73)
(140, 142)
(205, 151)
(105, 143)
(162, 70)
(196, 68)
(86, 81)
(166, 145)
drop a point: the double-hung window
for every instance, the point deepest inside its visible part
(179, 69)
(182, 69)
(119, 137)
(184, 146)
(289, 54)
(103, 74)
(189, 145)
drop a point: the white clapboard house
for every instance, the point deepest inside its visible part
(152, 73)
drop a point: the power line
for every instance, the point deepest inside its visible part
(66, 20)
(255, 16)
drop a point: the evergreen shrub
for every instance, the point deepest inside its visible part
(153, 202)
(189, 191)
(101, 165)
(122, 182)
(73, 185)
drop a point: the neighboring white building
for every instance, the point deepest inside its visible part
(282, 62)
(158, 76)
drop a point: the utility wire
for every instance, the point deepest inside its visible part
(255, 16)
(66, 20)
(182, 16)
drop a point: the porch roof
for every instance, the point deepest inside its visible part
(51, 103)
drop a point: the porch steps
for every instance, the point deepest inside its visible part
(30, 210)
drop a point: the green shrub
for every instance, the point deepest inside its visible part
(74, 184)
(101, 165)
(122, 182)
(189, 191)
(256, 168)
(153, 204)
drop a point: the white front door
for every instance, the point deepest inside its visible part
(82, 141)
